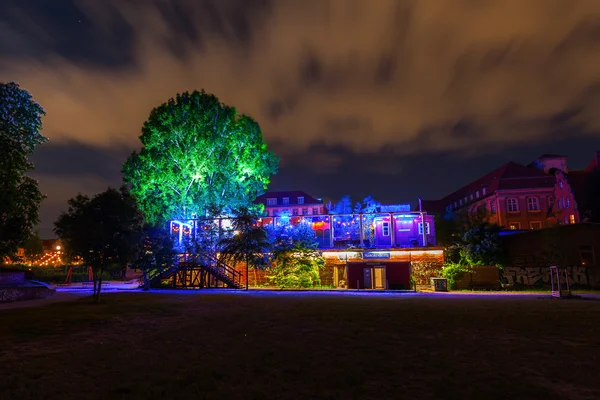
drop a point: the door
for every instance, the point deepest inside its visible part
(383, 230)
(379, 277)
(368, 278)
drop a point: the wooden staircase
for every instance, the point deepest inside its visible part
(201, 271)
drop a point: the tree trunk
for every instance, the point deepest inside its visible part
(95, 279)
(255, 278)
(146, 281)
(99, 288)
(246, 274)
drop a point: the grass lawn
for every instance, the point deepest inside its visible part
(304, 346)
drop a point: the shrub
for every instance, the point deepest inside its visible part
(453, 272)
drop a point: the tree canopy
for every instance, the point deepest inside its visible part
(20, 198)
(105, 231)
(198, 157)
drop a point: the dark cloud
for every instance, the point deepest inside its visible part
(377, 96)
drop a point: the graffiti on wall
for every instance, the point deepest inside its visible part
(540, 276)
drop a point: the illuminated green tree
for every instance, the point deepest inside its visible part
(199, 158)
(20, 198)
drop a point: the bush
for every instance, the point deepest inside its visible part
(453, 272)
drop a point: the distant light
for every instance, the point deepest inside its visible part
(236, 232)
(57, 247)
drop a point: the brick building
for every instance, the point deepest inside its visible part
(291, 203)
(513, 196)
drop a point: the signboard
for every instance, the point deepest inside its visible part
(370, 255)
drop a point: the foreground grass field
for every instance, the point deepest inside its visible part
(286, 345)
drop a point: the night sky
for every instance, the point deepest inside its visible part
(396, 99)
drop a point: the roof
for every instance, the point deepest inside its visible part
(292, 195)
(510, 176)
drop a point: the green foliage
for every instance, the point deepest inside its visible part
(249, 245)
(479, 244)
(155, 254)
(20, 126)
(296, 261)
(453, 272)
(199, 156)
(105, 231)
(33, 247)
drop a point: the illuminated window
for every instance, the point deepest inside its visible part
(271, 202)
(385, 229)
(512, 204)
(483, 192)
(493, 207)
(421, 228)
(560, 184)
(533, 204)
(572, 218)
(301, 200)
(477, 194)
(535, 224)
(305, 211)
(514, 226)
(315, 211)
(567, 202)
(286, 201)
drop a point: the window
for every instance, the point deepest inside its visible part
(315, 211)
(295, 211)
(483, 192)
(560, 184)
(567, 202)
(493, 207)
(271, 202)
(587, 255)
(572, 218)
(305, 211)
(455, 205)
(550, 201)
(286, 201)
(471, 196)
(566, 221)
(466, 199)
(421, 228)
(477, 194)
(512, 205)
(514, 226)
(301, 200)
(461, 202)
(385, 229)
(559, 204)
(535, 224)
(533, 204)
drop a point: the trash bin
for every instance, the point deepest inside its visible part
(439, 284)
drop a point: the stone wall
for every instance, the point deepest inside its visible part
(19, 293)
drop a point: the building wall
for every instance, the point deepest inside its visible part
(575, 248)
(495, 208)
(310, 208)
(565, 210)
